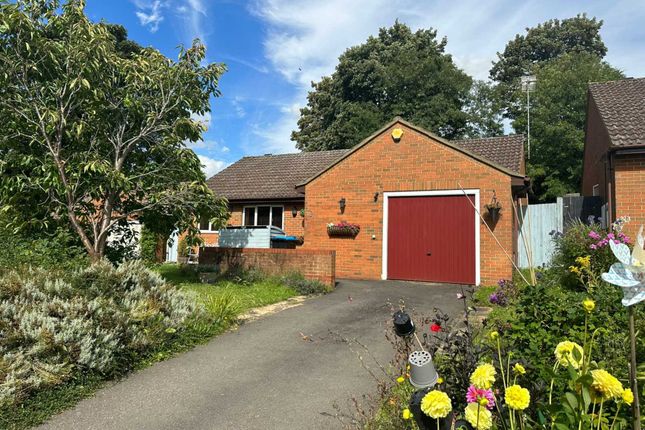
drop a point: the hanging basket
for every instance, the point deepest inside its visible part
(493, 211)
(343, 230)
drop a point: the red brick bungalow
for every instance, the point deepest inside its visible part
(614, 154)
(412, 193)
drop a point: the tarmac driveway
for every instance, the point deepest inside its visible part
(284, 371)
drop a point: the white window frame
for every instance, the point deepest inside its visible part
(255, 220)
(210, 228)
(595, 190)
(471, 192)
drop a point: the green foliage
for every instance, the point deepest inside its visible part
(56, 249)
(581, 240)
(224, 308)
(547, 41)
(305, 287)
(558, 118)
(549, 313)
(398, 72)
(94, 128)
(101, 320)
(182, 247)
(148, 245)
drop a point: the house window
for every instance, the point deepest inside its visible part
(263, 215)
(205, 226)
(595, 191)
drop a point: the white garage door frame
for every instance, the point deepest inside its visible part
(386, 197)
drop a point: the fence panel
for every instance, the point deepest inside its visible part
(536, 225)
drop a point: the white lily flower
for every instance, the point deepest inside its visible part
(629, 273)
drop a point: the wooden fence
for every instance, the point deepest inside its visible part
(538, 222)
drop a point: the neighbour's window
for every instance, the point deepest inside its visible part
(263, 215)
(595, 190)
(205, 225)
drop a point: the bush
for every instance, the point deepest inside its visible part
(304, 287)
(148, 245)
(581, 240)
(57, 249)
(100, 319)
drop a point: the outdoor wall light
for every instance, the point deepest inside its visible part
(294, 212)
(341, 204)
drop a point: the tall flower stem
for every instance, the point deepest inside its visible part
(438, 424)
(501, 362)
(555, 369)
(600, 413)
(615, 416)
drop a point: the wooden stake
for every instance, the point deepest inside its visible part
(494, 237)
(636, 410)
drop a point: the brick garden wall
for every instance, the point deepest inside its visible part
(416, 163)
(314, 264)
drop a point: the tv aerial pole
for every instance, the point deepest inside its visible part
(527, 83)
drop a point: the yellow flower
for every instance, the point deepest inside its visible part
(484, 376)
(574, 269)
(589, 305)
(517, 398)
(584, 261)
(440, 380)
(494, 335)
(606, 385)
(436, 404)
(483, 401)
(478, 416)
(406, 414)
(628, 396)
(519, 369)
(400, 379)
(565, 356)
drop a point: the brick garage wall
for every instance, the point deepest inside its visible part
(629, 174)
(314, 264)
(596, 146)
(416, 163)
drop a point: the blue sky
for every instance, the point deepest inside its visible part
(275, 48)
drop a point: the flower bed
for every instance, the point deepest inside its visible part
(343, 229)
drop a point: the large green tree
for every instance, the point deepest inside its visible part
(545, 42)
(558, 115)
(398, 72)
(94, 128)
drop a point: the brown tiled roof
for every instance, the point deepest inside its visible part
(621, 105)
(277, 176)
(507, 151)
(270, 176)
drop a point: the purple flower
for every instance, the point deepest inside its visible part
(593, 246)
(475, 395)
(611, 236)
(594, 235)
(494, 298)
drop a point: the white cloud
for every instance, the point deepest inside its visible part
(237, 106)
(192, 13)
(210, 166)
(305, 38)
(225, 149)
(150, 14)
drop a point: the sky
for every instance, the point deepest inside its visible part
(274, 49)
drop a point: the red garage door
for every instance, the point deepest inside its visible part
(431, 239)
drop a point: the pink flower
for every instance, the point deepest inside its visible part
(594, 235)
(475, 395)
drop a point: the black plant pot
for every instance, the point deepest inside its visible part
(424, 422)
(403, 325)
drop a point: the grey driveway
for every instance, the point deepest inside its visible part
(284, 371)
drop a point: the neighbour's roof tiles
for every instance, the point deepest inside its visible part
(621, 105)
(270, 176)
(276, 176)
(507, 151)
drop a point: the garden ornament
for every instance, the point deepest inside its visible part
(422, 371)
(403, 325)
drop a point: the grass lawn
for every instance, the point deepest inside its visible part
(244, 294)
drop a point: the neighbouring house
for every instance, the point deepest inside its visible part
(410, 195)
(614, 152)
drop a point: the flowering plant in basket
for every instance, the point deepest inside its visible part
(343, 229)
